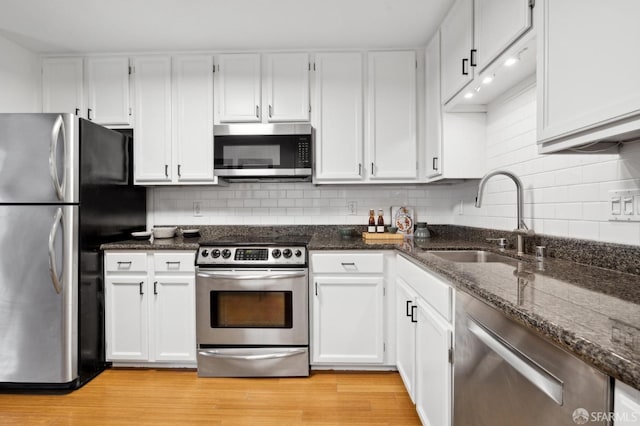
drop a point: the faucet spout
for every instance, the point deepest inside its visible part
(521, 228)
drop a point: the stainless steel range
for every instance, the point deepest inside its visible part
(252, 309)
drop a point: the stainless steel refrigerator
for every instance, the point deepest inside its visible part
(66, 186)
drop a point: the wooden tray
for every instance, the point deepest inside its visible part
(385, 236)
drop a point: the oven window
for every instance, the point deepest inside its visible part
(251, 309)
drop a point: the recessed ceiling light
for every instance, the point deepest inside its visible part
(488, 79)
(468, 95)
(510, 62)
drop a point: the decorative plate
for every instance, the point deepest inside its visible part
(402, 218)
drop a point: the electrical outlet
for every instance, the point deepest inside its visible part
(197, 208)
(352, 208)
(623, 205)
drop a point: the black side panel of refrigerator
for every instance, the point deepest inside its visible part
(111, 207)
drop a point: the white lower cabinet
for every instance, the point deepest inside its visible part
(347, 309)
(434, 370)
(406, 335)
(424, 321)
(150, 307)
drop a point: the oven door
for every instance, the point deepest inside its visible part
(255, 307)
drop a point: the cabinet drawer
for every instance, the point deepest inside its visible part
(126, 262)
(174, 262)
(433, 290)
(346, 263)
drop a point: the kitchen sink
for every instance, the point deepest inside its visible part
(471, 256)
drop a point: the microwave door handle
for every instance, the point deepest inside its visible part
(234, 276)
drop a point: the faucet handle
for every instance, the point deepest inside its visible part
(502, 242)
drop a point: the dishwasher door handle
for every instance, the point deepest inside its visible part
(531, 370)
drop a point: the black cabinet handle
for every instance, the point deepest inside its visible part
(434, 163)
(141, 290)
(77, 111)
(270, 110)
(408, 310)
(155, 287)
(179, 175)
(89, 111)
(464, 67)
(412, 311)
(316, 285)
(257, 111)
(166, 170)
(473, 58)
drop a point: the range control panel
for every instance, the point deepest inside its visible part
(268, 256)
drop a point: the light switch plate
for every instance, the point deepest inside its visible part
(624, 205)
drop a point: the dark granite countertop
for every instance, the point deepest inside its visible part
(592, 312)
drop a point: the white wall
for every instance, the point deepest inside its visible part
(20, 78)
(565, 194)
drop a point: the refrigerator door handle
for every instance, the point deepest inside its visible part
(58, 127)
(55, 278)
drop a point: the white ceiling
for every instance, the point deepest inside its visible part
(83, 26)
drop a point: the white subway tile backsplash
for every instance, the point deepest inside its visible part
(565, 194)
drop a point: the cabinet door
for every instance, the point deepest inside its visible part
(108, 87)
(174, 318)
(392, 115)
(288, 87)
(433, 369)
(457, 41)
(433, 109)
(587, 78)
(193, 117)
(406, 320)
(338, 116)
(126, 316)
(62, 85)
(238, 77)
(348, 320)
(497, 24)
(152, 76)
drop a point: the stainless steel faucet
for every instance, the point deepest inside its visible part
(521, 230)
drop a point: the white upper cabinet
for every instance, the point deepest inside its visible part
(174, 120)
(457, 45)
(497, 24)
(152, 77)
(392, 115)
(588, 82)
(454, 142)
(108, 90)
(477, 37)
(338, 116)
(239, 87)
(193, 117)
(287, 86)
(62, 85)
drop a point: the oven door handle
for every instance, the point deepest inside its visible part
(253, 357)
(236, 276)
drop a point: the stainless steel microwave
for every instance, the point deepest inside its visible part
(272, 151)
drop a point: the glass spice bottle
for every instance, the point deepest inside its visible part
(380, 227)
(372, 221)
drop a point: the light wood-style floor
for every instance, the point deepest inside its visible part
(179, 397)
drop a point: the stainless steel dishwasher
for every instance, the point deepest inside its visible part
(506, 375)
